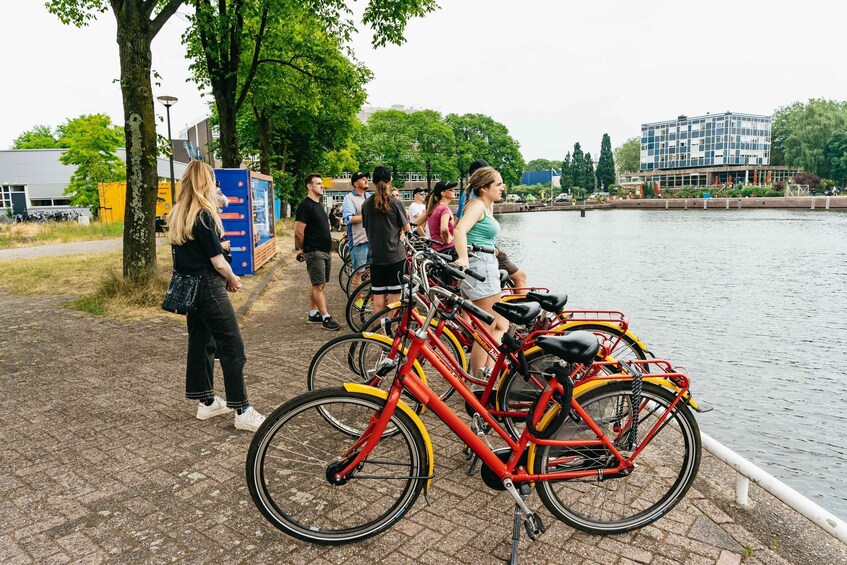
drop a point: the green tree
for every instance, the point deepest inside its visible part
(784, 120)
(566, 181)
(39, 137)
(804, 131)
(628, 156)
(836, 155)
(606, 164)
(588, 173)
(138, 23)
(221, 40)
(542, 165)
(578, 166)
(433, 144)
(387, 140)
(478, 136)
(91, 142)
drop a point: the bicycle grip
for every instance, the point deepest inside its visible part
(456, 273)
(482, 248)
(475, 275)
(478, 312)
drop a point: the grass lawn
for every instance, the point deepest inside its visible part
(28, 234)
(94, 284)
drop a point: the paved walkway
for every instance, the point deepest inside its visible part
(70, 248)
(101, 460)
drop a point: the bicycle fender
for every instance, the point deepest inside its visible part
(383, 394)
(576, 323)
(463, 360)
(389, 341)
(660, 381)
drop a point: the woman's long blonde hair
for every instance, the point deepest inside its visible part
(196, 194)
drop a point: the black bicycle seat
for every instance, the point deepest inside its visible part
(550, 301)
(521, 313)
(576, 347)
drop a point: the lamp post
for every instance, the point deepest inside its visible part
(167, 102)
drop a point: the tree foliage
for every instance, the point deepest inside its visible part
(578, 166)
(432, 145)
(566, 181)
(628, 156)
(588, 182)
(542, 165)
(836, 155)
(91, 142)
(478, 136)
(606, 164)
(800, 133)
(39, 137)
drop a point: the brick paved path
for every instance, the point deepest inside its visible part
(101, 459)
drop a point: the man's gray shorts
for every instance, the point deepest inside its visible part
(317, 264)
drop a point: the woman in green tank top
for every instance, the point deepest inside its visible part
(479, 227)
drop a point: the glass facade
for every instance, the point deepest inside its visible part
(706, 141)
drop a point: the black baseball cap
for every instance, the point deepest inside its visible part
(441, 186)
(419, 190)
(357, 176)
(478, 164)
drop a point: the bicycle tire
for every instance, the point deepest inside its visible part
(365, 276)
(344, 274)
(356, 313)
(353, 358)
(300, 500)
(447, 339)
(665, 469)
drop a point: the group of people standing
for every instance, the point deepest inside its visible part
(376, 226)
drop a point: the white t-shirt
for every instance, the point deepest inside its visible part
(416, 210)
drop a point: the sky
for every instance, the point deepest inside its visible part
(553, 72)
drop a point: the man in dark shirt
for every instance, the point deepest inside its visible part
(313, 241)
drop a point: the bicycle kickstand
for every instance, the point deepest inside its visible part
(516, 530)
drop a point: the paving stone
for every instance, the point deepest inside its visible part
(728, 558)
(705, 530)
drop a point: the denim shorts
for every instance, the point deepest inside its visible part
(484, 264)
(360, 255)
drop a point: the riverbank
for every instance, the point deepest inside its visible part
(801, 203)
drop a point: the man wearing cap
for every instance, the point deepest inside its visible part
(351, 212)
(418, 207)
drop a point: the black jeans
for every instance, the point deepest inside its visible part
(214, 328)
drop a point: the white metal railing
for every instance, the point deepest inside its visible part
(746, 471)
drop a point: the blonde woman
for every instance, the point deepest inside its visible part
(195, 235)
(478, 226)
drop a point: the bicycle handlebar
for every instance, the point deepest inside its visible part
(480, 248)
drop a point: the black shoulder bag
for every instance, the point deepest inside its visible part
(183, 290)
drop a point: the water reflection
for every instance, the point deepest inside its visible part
(752, 302)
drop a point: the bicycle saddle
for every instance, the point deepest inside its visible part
(521, 314)
(576, 347)
(549, 301)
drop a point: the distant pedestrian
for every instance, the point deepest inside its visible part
(357, 238)
(195, 233)
(384, 218)
(418, 207)
(313, 242)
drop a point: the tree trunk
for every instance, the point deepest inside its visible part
(263, 119)
(139, 253)
(227, 116)
(428, 175)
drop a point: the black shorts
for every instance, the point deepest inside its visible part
(505, 263)
(387, 279)
(318, 265)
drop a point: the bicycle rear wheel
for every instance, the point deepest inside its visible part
(664, 471)
(359, 306)
(295, 452)
(364, 275)
(353, 358)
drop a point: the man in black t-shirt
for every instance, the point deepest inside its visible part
(313, 241)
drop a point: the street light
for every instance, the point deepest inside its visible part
(169, 101)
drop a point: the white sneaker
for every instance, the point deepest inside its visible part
(216, 408)
(249, 420)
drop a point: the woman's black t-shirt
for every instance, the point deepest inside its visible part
(193, 256)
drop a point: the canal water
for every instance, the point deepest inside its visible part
(752, 302)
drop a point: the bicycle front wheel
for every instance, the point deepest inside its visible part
(664, 470)
(359, 306)
(295, 452)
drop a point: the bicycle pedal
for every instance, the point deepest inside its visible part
(467, 453)
(472, 468)
(534, 526)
